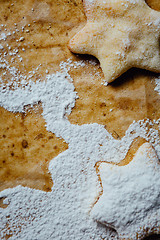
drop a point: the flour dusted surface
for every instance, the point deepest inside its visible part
(65, 212)
(137, 187)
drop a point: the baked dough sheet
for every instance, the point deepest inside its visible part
(43, 30)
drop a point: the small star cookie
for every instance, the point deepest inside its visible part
(130, 202)
(122, 34)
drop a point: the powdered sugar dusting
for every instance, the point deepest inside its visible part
(15, 100)
(64, 213)
(157, 82)
(138, 200)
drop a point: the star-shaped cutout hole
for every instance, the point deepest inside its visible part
(130, 202)
(26, 149)
(122, 34)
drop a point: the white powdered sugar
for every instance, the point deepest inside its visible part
(137, 187)
(157, 82)
(63, 99)
(64, 213)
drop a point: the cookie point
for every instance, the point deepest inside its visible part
(71, 44)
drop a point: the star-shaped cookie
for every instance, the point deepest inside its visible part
(130, 202)
(122, 34)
